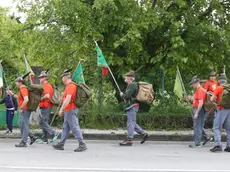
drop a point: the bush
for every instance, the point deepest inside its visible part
(165, 114)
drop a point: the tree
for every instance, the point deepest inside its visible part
(158, 35)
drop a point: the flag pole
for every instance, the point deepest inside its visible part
(114, 79)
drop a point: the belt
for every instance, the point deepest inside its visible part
(9, 108)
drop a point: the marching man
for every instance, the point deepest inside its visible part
(222, 117)
(132, 108)
(23, 99)
(46, 108)
(198, 110)
(70, 110)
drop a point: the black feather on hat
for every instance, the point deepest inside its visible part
(24, 76)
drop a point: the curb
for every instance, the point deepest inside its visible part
(98, 136)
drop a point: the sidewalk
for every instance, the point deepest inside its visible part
(119, 134)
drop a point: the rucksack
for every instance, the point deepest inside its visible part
(83, 94)
(145, 92)
(210, 106)
(35, 94)
(56, 97)
(225, 97)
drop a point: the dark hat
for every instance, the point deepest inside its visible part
(213, 73)
(195, 79)
(222, 78)
(130, 74)
(66, 72)
(20, 79)
(43, 74)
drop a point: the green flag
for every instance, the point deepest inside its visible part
(179, 89)
(1, 76)
(78, 76)
(101, 61)
(2, 79)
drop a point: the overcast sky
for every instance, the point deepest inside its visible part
(13, 10)
(6, 3)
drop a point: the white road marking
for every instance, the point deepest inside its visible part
(108, 169)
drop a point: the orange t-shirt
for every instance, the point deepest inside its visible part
(198, 95)
(218, 92)
(210, 85)
(47, 89)
(71, 89)
(23, 92)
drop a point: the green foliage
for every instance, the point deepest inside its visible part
(167, 114)
(155, 34)
(171, 106)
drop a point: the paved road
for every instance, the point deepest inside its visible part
(108, 156)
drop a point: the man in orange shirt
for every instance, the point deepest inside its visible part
(198, 111)
(222, 117)
(23, 99)
(46, 108)
(70, 114)
(210, 87)
(211, 84)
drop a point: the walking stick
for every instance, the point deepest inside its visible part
(59, 106)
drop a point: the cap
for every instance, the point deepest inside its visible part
(195, 79)
(43, 74)
(20, 79)
(130, 74)
(213, 73)
(66, 72)
(222, 77)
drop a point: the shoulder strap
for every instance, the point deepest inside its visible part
(76, 89)
(21, 94)
(208, 86)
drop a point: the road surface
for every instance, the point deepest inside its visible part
(107, 156)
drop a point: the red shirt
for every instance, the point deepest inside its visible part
(198, 95)
(71, 89)
(47, 89)
(210, 85)
(23, 92)
(218, 92)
